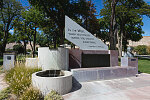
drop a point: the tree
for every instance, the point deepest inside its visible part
(1, 37)
(33, 18)
(91, 23)
(112, 26)
(18, 48)
(128, 21)
(20, 31)
(11, 9)
(57, 9)
(49, 30)
(1, 4)
(104, 29)
(44, 40)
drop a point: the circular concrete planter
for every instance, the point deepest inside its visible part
(58, 80)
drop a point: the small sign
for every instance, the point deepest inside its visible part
(133, 59)
(81, 37)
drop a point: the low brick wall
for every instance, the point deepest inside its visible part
(103, 73)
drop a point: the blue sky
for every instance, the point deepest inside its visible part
(99, 5)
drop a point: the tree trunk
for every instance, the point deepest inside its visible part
(54, 40)
(112, 26)
(121, 38)
(31, 45)
(24, 47)
(4, 40)
(86, 23)
(34, 43)
(61, 36)
(118, 39)
(4, 45)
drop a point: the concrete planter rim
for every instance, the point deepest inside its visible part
(53, 49)
(64, 76)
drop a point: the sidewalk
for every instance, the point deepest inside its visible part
(131, 88)
(2, 82)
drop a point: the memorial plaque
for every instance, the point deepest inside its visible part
(95, 60)
(81, 37)
(133, 59)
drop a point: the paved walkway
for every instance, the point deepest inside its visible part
(132, 88)
(2, 82)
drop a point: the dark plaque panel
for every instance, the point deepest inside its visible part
(8, 57)
(95, 60)
(133, 59)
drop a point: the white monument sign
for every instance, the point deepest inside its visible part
(81, 37)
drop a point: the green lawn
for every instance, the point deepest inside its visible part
(144, 65)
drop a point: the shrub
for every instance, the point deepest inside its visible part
(141, 49)
(28, 50)
(5, 93)
(53, 95)
(19, 48)
(19, 78)
(31, 94)
(148, 49)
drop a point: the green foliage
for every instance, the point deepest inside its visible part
(104, 32)
(19, 78)
(1, 4)
(141, 49)
(11, 9)
(1, 61)
(31, 94)
(144, 65)
(148, 50)
(18, 48)
(53, 95)
(45, 39)
(128, 21)
(5, 93)
(1, 70)
(56, 10)
(28, 50)
(1, 37)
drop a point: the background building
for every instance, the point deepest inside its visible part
(144, 41)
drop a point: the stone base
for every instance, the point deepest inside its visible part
(8, 61)
(92, 58)
(130, 61)
(103, 73)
